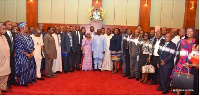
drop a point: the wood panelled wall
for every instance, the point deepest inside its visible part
(144, 18)
(31, 13)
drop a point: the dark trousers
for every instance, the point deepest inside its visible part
(127, 61)
(48, 66)
(42, 66)
(68, 61)
(78, 56)
(134, 67)
(154, 62)
(11, 79)
(165, 74)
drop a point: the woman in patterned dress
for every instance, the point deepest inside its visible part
(186, 49)
(87, 52)
(145, 53)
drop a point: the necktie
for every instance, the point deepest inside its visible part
(78, 37)
(11, 37)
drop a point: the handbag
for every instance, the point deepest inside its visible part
(183, 80)
(148, 68)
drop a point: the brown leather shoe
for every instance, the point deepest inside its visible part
(6, 90)
(2, 94)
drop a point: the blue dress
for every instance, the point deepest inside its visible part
(21, 60)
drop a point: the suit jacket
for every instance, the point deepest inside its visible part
(65, 42)
(168, 55)
(133, 48)
(11, 44)
(76, 39)
(50, 46)
(162, 43)
(125, 42)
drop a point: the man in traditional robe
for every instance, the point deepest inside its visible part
(98, 49)
(57, 63)
(4, 60)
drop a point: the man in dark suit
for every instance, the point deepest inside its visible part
(133, 51)
(126, 42)
(67, 47)
(159, 41)
(77, 36)
(10, 38)
(166, 62)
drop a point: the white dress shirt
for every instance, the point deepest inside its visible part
(156, 47)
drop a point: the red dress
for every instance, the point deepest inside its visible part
(186, 48)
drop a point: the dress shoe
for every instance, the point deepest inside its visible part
(33, 81)
(43, 75)
(50, 76)
(2, 94)
(159, 89)
(77, 69)
(152, 83)
(8, 86)
(66, 71)
(130, 77)
(99, 70)
(54, 74)
(137, 79)
(125, 75)
(6, 90)
(58, 72)
(165, 92)
(40, 78)
(95, 69)
(25, 85)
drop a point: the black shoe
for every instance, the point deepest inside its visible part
(58, 72)
(125, 75)
(77, 69)
(130, 77)
(120, 68)
(33, 81)
(40, 78)
(16, 84)
(66, 71)
(165, 92)
(50, 76)
(25, 85)
(137, 79)
(152, 83)
(159, 89)
(99, 70)
(95, 69)
(43, 75)
(8, 86)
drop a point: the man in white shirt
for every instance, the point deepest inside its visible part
(92, 31)
(38, 45)
(175, 39)
(159, 41)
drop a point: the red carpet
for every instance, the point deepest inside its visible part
(87, 83)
